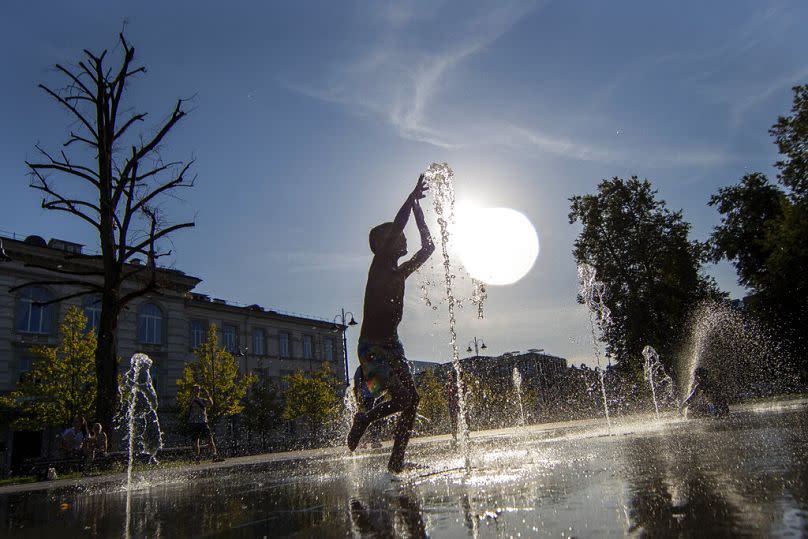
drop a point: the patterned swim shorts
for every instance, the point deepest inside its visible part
(378, 360)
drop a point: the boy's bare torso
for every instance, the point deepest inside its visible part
(384, 302)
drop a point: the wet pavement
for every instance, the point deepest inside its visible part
(746, 475)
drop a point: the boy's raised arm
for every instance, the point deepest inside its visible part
(403, 214)
(427, 247)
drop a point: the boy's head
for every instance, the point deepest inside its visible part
(380, 232)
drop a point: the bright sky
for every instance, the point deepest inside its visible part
(312, 121)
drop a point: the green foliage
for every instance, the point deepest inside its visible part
(764, 228)
(263, 409)
(215, 371)
(61, 383)
(314, 399)
(791, 136)
(641, 251)
(434, 404)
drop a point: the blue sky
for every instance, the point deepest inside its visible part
(311, 122)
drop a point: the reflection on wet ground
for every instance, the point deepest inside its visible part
(746, 475)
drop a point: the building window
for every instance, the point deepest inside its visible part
(199, 330)
(258, 342)
(308, 347)
(31, 317)
(230, 338)
(283, 344)
(92, 311)
(150, 324)
(328, 349)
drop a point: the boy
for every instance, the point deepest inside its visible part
(380, 352)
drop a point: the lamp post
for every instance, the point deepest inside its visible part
(344, 327)
(478, 345)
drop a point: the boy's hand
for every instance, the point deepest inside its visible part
(420, 189)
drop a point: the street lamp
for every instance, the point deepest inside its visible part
(344, 327)
(478, 345)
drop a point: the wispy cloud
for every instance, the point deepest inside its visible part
(399, 79)
(521, 137)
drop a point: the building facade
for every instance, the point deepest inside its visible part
(167, 326)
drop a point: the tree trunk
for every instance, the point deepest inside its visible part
(106, 364)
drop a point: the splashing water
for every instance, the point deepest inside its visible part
(440, 179)
(737, 350)
(655, 374)
(517, 384)
(349, 408)
(478, 296)
(592, 292)
(138, 418)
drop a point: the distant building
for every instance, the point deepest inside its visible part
(536, 368)
(419, 367)
(167, 326)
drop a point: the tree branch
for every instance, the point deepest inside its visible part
(71, 108)
(67, 297)
(177, 182)
(52, 282)
(88, 273)
(133, 119)
(139, 247)
(77, 81)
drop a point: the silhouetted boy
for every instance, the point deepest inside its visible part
(705, 400)
(380, 352)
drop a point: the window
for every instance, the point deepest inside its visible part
(199, 330)
(258, 342)
(308, 347)
(283, 344)
(230, 338)
(92, 311)
(150, 324)
(33, 318)
(328, 349)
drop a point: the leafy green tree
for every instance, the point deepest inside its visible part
(314, 399)
(215, 371)
(61, 383)
(763, 232)
(641, 251)
(263, 409)
(434, 404)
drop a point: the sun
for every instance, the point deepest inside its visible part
(497, 246)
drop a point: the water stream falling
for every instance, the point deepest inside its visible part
(517, 384)
(349, 407)
(656, 376)
(138, 420)
(440, 179)
(593, 292)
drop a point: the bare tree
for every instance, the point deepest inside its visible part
(119, 181)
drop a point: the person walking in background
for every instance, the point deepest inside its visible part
(198, 422)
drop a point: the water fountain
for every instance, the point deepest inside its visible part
(440, 179)
(734, 347)
(138, 420)
(592, 292)
(655, 375)
(517, 385)
(349, 409)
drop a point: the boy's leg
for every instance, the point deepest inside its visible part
(405, 396)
